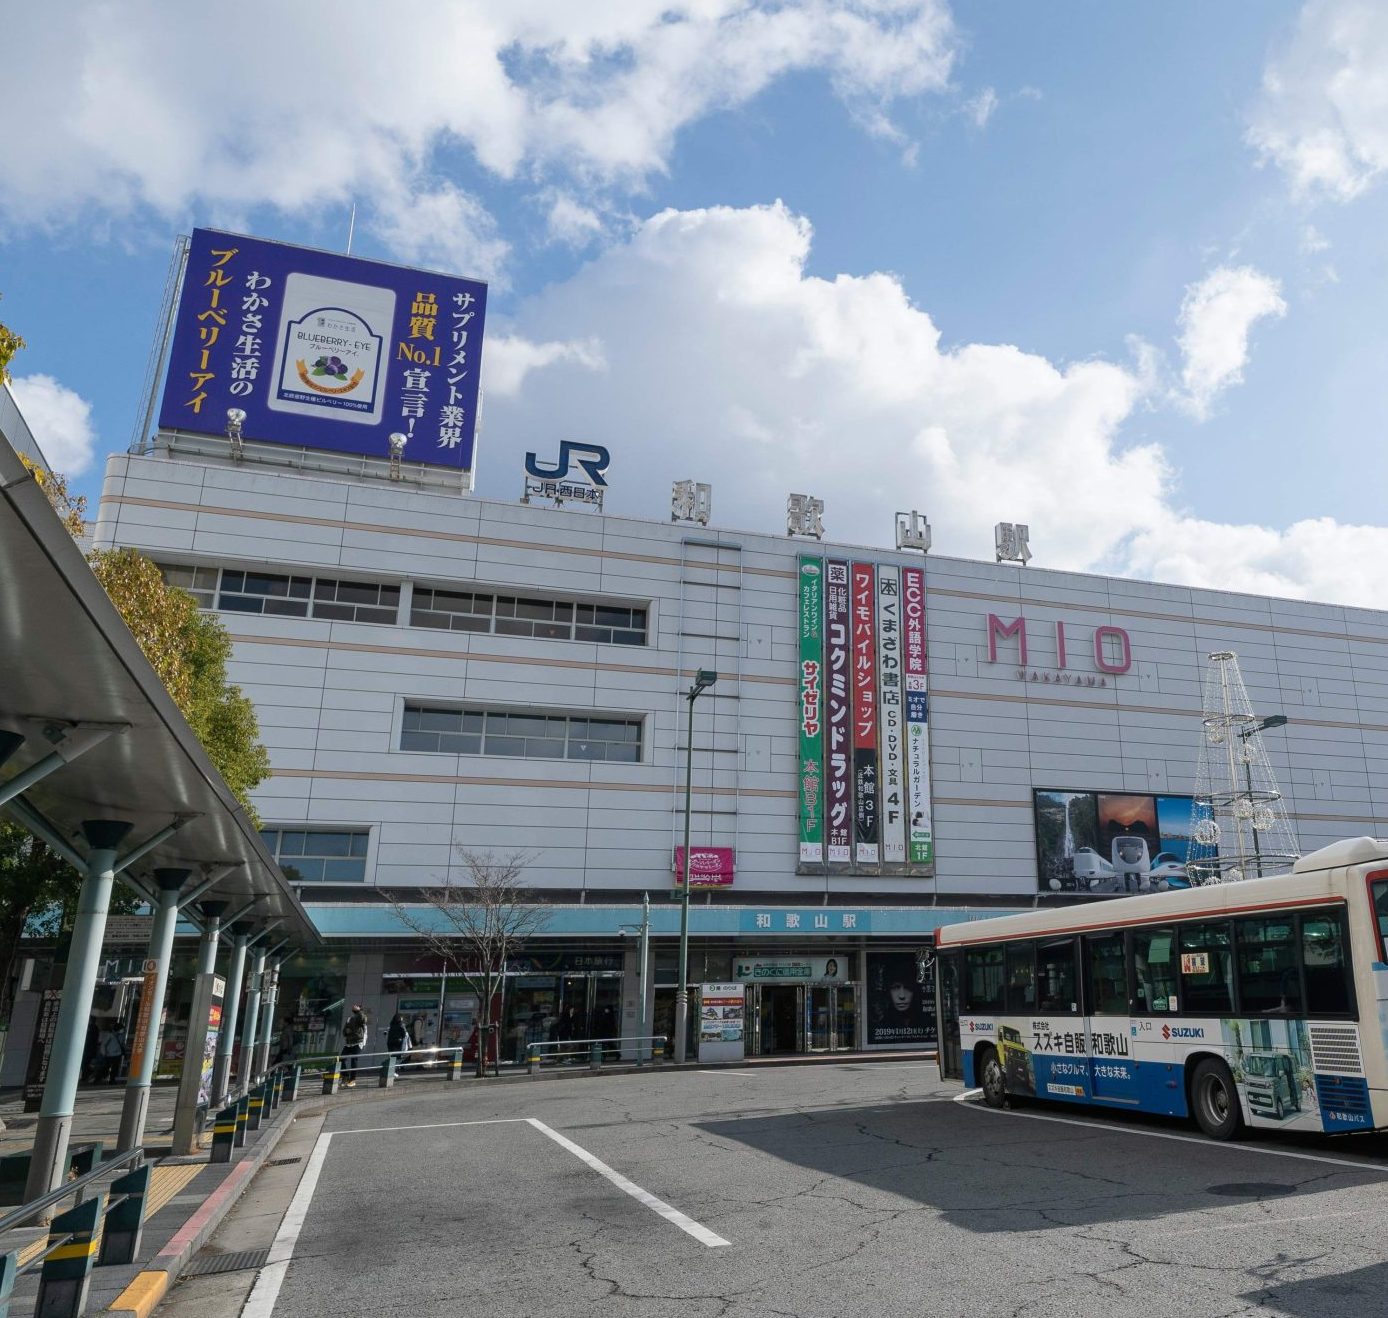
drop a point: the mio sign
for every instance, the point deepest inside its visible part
(1110, 647)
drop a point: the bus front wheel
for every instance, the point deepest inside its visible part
(1215, 1100)
(991, 1079)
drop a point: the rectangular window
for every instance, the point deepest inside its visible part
(1269, 977)
(527, 615)
(1379, 888)
(1106, 975)
(355, 601)
(319, 855)
(1055, 978)
(199, 582)
(1021, 979)
(264, 592)
(1325, 964)
(520, 735)
(1154, 970)
(983, 979)
(1207, 979)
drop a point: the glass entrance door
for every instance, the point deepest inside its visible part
(819, 1017)
(845, 1016)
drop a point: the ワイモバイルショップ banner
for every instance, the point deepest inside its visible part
(323, 351)
(864, 619)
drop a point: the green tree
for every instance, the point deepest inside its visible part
(10, 343)
(189, 651)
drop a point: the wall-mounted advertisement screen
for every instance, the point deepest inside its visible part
(323, 351)
(900, 1000)
(1111, 843)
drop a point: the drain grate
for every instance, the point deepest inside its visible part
(1252, 1189)
(283, 1162)
(205, 1265)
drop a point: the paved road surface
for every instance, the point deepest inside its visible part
(829, 1192)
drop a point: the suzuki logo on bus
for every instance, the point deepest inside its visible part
(1182, 1032)
(1112, 650)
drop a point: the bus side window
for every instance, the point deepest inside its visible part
(1207, 972)
(1154, 970)
(1379, 888)
(1105, 975)
(983, 982)
(1326, 964)
(1056, 993)
(1269, 982)
(1021, 979)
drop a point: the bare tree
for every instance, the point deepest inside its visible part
(476, 926)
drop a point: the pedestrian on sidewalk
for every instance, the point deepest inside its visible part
(91, 1052)
(353, 1041)
(398, 1039)
(110, 1048)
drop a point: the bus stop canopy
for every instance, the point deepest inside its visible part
(70, 670)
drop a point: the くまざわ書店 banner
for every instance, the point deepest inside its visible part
(323, 351)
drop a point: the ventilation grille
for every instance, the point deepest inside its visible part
(1344, 1103)
(1335, 1050)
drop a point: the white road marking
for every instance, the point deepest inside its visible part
(1226, 1145)
(685, 1224)
(432, 1125)
(967, 1096)
(729, 1072)
(261, 1302)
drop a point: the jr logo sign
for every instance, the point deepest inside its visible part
(591, 459)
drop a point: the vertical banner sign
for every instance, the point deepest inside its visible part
(41, 1049)
(144, 1020)
(920, 835)
(891, 719)
(811, 711)
(838, 807)
(865, 821)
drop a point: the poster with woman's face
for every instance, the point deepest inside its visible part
(900, 1006)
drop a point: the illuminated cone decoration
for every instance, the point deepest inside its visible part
(1239, 827)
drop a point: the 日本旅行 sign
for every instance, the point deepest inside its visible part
(323, 351)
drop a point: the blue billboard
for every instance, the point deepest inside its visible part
(325, 351)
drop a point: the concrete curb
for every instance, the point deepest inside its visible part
(150, 1286)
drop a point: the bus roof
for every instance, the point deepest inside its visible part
(1312, 881)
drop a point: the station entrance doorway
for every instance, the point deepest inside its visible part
(801, 1018)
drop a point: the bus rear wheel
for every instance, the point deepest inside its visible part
(1214, 1099)
(991, 1078)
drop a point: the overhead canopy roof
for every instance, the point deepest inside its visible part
(67, 658)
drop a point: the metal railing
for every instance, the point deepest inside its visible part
(648, 1048)
(102, 1228)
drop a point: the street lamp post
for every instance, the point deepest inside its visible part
(1262, 725)
(703, 679)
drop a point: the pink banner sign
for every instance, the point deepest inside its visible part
(709, 867)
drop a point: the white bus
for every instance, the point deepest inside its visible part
(1263, 1002)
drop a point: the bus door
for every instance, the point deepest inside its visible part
(947, 1014)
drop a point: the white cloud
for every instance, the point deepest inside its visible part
(571, 222)
(1216, 319)
(980, 108)
(59, 419)
(445, 228)
(724, 361)
(1313, 241)
(297, 107)
(1322, 116)
(510, 359)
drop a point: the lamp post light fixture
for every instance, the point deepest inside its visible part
(1262, 725)
(703, 679)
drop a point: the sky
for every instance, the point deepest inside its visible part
(1114, 271)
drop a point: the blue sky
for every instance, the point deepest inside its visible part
(1116, 271)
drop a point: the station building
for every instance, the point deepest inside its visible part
(439, 674)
